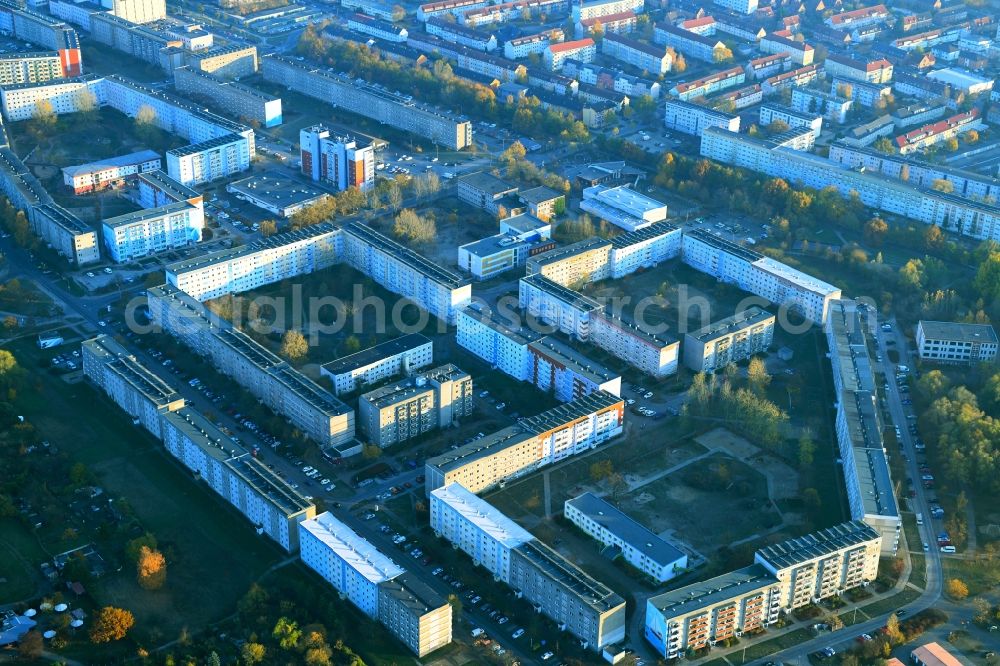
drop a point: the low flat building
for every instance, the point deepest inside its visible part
(729, 340)
(955, 342)
(623, 206)
(640, 547)
(488, 257)
(276, 194)
(401, 355)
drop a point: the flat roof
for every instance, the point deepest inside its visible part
(795, 276)
(564, 355)
(277, 191)
(540, 194)
(623, 197)
(717, 329)
(375, 354)
(482, 514)
(202, 146)
(727, 246)
(350, 547)
(654, 230)
(707, 593)
(124, 364)
(958, 77)
(490, 245)
(491, 319)
(818, 544)
(412, 593)
(561, 253)
(958, 331)
(416, 261)
(524, 222)
(570, 297)
(147, 214)
(569, 577)
(626, 528)
(112, 162)
(172, 188)
(482, 180)
(569, 412)
(410, 387)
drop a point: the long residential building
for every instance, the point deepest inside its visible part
(581, 605)
(402, 355)
(43, 30)
(568, 374)
(369, 101)
(652, 58)
(277, 384)
(952, 212)
(770, 112)
(533, 442)
(712, 83)
(692, 118)
(30, 67)
(689, 43)
(870, 492)
(640, 547)
(777, 282)
(111, 172)
(265, 499)
(380, 588)
(231, 97)
(729, 340)
(935, 133)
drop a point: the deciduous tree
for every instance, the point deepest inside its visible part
(151, 569)
(956, 589)
(294, 346)
(111, 624)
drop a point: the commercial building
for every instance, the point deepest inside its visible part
(379, 587)
(640, 547)
(870, 492)
(954, 213)
(706, 85)
(760, 275)
(276, 193)
(823, 564)
(770, 112)
(145, 232)
(488, 257)
(623, 206)
(369, 101)
(536, 441)
(307, 406)
(963, 81)
(692, 118)
(404, 272)
(260, 263)
(142, 394)
(399, 356)
(653, 58)
(31, 67)
(729, 340)
(111, 172)
(581, 605)
(484, 190)
(583, 50)
(437, 398)
(568, 374)
(955, 342)
(337, 160)
(232, 97)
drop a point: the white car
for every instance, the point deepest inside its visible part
(547, 656)
(517, 634)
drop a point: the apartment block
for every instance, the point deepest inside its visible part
(562, 308)
(622, 206)
(109, 173)
(738, 6)
(556, 54)
(801, 53)
(701, 614)
(769, 65)
(399, 356)
(801, 76)
(375, 584)
(209, 160)
(65, 232)
(955, 342)
(404, 272)
(533, 442)
(953, 212)
(147, 43)
(138, 11)
(31, 67)
(689, 43)
(400, 411)
(377, 27)
(652, 58)
(922, 138)
(142, 394)
(271, 380)
(367, 100)
(760, 275)
(146, 232)
(229, 62)
(525, 45)
(870, 491)
(579, 263)
(771, 112)
(473, 38)
(501, 342)
(707, 85)
(692, 118)
(823, 564)
(656, 354)
(339, 161)
(644, 248)
(640, 547)
(568, 374)
(872, 71)
(729, 340)
(45, 31)
(263, 497)
(260, 263)
(612, 79)
(858, 18)
(829, 105)
(20, 101)
(590, 9)
(484, 190)
(232, 97)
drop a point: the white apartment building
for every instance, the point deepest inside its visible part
(589, 9)
(824, 563)
(770, 112)
(729, 340)
(706, 85)
(561, 432)
(399, 356)
(336, 160)
(622, 206)
(68, 234)
(474, 38)
(548, 302)
(111, 172)
(652, 58)
(954, 213)
(872, 71)
(237, 99)
(140, 234)
(581, 262)
(640, 547)
(209, 160)
(568, 374)
(262, 262)
(829, 105)
(644, 248)
(437, 290)
(137, 11)
(30, 67)
(653, 353)
(738, 6)
(20, 101)
(525, 45)
(501, 343)
(143, 395)
(556, 54)
(476, 528)
(692, 118)
(376, 27)
(956, 342)
(763, 276)
(769, 65)
(264, 498)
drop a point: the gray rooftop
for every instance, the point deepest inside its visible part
(749, 317)
(958, 331)
(570, 297)
(570, 358)
(817, 544)
(487, 182)
(627, 529)
(372, 355)
(707, 593)
(568, 576)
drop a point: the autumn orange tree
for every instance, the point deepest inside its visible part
(151, 569)
(111, 624)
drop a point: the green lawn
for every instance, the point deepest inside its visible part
(891, 603)
(761, 650)
(20, 552)
(978, 575)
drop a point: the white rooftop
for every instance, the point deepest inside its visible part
(626, 199)
(483, 515)
(351, 548)
(796, 276)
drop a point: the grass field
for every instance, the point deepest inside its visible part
(21, 552)
(978, 575)
(760, 650)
